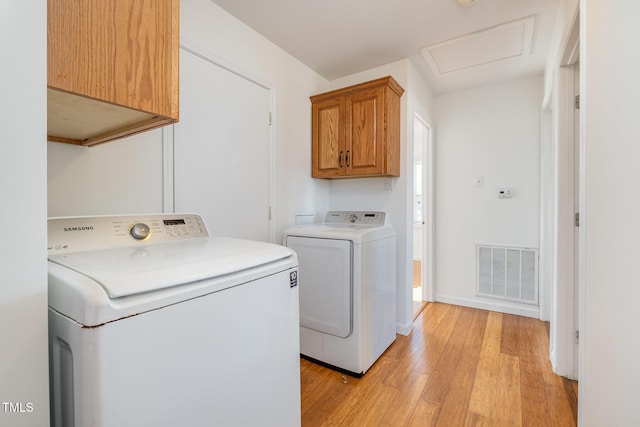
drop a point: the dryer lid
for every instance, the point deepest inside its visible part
(356, 226)
(122, 272)
(358, 234)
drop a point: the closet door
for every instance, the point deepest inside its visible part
(221, 149)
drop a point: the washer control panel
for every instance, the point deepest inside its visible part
(369, 218)
(74, 234)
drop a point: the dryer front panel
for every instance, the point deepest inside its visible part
(326, 284)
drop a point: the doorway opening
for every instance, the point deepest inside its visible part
(422, 214)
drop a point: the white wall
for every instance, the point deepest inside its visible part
(420, 106)
(23, 254)
(610, 65)
(370, 193)
(119, 177)
(491, 132)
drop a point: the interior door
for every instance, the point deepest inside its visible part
(221, 149)
(326, 286)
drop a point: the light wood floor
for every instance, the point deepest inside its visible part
(459, 367)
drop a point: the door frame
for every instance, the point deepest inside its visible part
(565, 265)
(427, 272)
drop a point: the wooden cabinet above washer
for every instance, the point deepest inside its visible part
(355, 131)
(113, 68)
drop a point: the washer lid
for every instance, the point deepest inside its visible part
(133, 270)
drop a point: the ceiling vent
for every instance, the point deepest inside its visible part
(501, 42)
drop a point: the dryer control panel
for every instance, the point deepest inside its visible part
(73, 234)
(371, 218)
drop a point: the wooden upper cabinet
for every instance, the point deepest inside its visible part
(113, 68)
(355, 131)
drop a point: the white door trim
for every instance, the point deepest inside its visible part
(562, 311)
(547, 209)
(563, 349)
(428, 276)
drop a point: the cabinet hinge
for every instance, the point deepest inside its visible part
(576, 219)
(577, 102)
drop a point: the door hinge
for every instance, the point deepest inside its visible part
(269, 213)
(577, 102)
(577, 337)
(576, 219)
(270, 119)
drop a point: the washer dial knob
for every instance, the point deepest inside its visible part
(352, 217)
(140, 231)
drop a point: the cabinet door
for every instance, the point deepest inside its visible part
(327, 141)
(365, 133)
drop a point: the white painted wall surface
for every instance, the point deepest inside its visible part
(610, 64)
(420, 107)
(491, 132)
(370, 193)
(119, 177)
(24, 389)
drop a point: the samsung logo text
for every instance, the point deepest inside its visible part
(87, 228)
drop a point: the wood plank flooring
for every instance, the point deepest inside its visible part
(459, 367)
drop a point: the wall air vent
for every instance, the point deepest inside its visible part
(507, 273)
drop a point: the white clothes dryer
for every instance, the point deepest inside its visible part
(347, 276)
(154, 323)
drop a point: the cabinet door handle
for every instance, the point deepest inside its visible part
(347, 158)
(340, 159)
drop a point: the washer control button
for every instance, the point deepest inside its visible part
(140, 231)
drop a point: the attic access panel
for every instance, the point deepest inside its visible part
(493, 44)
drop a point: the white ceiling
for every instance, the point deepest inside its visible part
(471, 45)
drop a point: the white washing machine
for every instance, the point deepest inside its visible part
(154, 323)
(347, 288)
